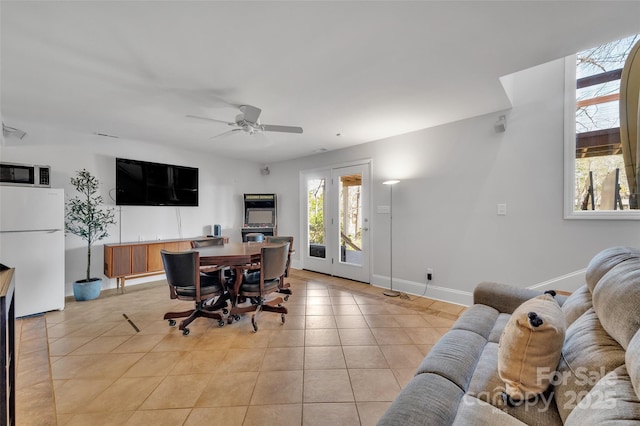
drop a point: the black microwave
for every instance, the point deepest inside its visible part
(25, 175)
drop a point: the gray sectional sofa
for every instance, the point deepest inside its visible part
(597, 381)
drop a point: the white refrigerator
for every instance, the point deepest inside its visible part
(32, 241)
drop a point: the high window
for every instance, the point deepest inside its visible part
(597, 180)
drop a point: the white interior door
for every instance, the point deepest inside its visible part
(337, 221)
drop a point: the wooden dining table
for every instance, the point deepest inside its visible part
(232, 255)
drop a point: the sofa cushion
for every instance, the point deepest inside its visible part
(498, 327)
(612, 400)
(589, 353)
(479, 319)
(616, 300)
(428, 399)
(577, 304)
(472, 411)
(602, 262)
(530, 347)
(632, 359)
(485, 383)
(454, 357)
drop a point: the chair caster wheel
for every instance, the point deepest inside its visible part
(172, 323)
(286, 298)
(282, 317)
(225, 311)
(254, 324)
(220, 323)
(236, 317)
(185, 332)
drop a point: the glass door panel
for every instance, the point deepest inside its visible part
(315, 193)
(350, 216)
(350, 222)
(316, 188)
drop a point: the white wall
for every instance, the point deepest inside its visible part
(453, 176)
(222, 184)
(444, 209)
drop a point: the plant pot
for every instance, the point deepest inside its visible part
(87, 290)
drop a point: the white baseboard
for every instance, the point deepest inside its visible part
(444, 294)
(568, 282)
(296, 264)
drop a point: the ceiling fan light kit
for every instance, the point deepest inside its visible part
(247, 121)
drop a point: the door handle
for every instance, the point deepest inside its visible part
(365, 229)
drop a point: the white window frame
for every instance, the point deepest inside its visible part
(570, 155)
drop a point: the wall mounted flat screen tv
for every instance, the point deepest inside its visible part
(142, 183)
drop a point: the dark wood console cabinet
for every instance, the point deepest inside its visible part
(136, 260)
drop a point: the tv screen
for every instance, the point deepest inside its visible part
(142, 183)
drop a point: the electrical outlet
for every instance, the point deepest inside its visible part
(429, 274)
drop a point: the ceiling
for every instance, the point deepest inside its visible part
(347, 72)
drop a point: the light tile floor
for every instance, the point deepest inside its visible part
(343, 354)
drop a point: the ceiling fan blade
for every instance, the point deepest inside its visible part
(228, 132)
(287, 129)
(211, 119)
(250, 113)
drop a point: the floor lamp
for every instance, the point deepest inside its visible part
(391, 292)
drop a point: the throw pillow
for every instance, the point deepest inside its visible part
(530, 348)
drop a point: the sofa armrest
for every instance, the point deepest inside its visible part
(505, 298)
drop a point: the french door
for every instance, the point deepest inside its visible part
(336, 221)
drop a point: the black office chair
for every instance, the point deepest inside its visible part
(207, 242)
(211, 269)
(186, 282)
(256, 286)
(255, 237)
(284, 287)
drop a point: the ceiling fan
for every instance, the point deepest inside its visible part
(247, 121)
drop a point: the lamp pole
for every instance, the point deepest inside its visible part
(391, 292)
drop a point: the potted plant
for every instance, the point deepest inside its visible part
(86, 218)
